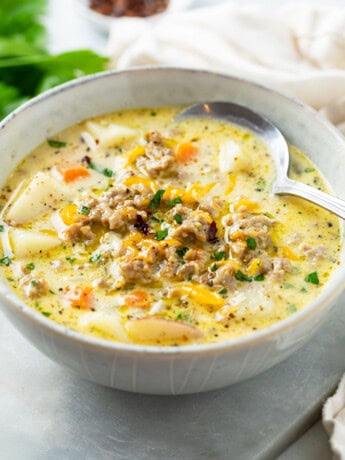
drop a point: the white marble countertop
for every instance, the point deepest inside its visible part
(48, 413)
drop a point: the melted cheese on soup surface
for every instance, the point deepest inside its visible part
(134, 228)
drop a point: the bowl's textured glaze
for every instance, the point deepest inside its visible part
(169, 370)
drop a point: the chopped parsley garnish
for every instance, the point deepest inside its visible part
(183, 317)
(214, 267)
(153, 113)
(51, 291)
(182, 252)
(34, 283)
(240, 276)
(223, 291)
(174, 202)
(56, 144)
(291, 308)
(219, 255)
(2, 228)
(71, 260)
(288, 286)
(309, 170)
(46, 313)
(178, 218)
(260, 185)
(95, 258)
(5, 261)
(156, 219)
(312, 278)
(30, 266)
(156, 199)
(162, 234)
(84, 210)
(107, 172)
(91, 165)
(259, 277)
(251, 243)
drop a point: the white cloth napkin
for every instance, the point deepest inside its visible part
(296, 48)
(333, 416)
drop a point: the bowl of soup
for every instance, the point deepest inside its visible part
(149, 254)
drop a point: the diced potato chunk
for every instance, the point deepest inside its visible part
(104, 322)
(110, 135)
(231, 157)
(41, 195)
(153, 329)
(28, 242)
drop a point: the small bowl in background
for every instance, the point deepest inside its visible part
(103, 22)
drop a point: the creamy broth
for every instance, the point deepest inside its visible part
(134, 228)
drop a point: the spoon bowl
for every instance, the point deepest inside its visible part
(276, 144)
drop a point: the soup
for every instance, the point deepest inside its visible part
(135, 228)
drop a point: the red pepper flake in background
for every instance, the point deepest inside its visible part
(118, 8)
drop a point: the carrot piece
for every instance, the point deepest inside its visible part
(70, 172)
(185, 152)
(138, 298)
(80, 297)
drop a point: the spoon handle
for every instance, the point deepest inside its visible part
(329, 202)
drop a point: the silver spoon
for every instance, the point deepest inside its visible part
(274, 140)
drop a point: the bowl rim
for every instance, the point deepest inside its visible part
(330, 292)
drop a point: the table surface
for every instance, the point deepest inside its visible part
(46, 412)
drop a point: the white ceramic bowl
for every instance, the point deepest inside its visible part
(169, 370)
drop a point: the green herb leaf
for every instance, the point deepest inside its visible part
(183, 317)
(46, 313)
(223, 291)
(156, 199)
(312, 278)
(182, 252)
(309, 170)
(95, 257)
(157, 219)
(71, 260)
(260, 185)
(240, 276)
(178, 218)
(34, 283)
(56, 144)
(30, 266)
(162, 234)
(84, 210)
(5, 261)
(107, 172)
(288, 286)
(259, 277)
(214, 267)
(26, 67)
(174, 202)
(219, 255)
(2, 228)
(292, 308)
(251, 243)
